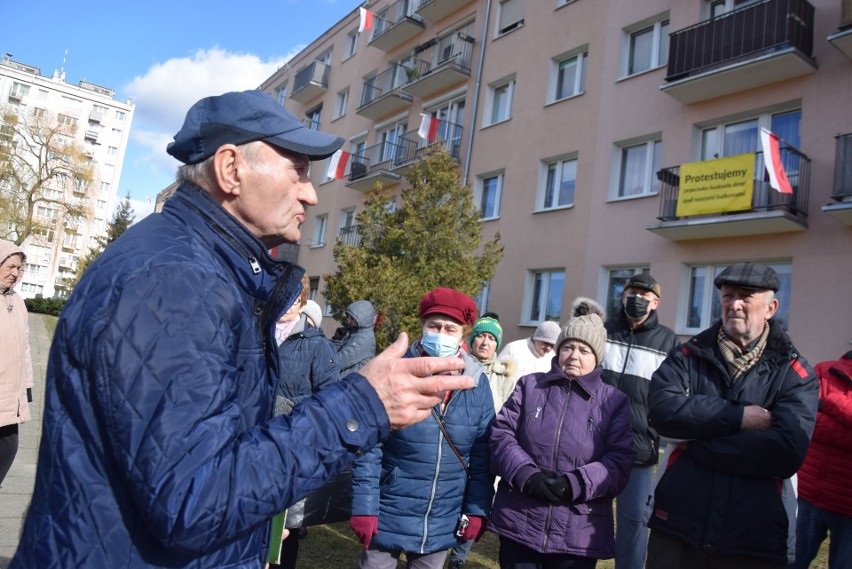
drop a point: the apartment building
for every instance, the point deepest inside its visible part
(102, 127)
(576, 123)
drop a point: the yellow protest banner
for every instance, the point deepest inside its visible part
(716, 186)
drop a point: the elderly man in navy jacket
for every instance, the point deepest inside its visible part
(159, 445)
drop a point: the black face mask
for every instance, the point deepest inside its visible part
(636, 307)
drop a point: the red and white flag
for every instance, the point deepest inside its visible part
(772, 159)
(337, 164)
(366, 20)
(429, 127)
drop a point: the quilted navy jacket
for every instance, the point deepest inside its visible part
(416, 485)
(158, 447)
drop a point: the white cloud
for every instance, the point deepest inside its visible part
(141, 208)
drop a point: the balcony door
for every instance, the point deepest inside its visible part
(451, 115)
(392, 143)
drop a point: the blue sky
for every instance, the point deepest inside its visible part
(164, 56)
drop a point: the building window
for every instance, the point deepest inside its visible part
(341, 103)
(699, 302)
(487, 196)
(66, 120)
(510, 16)
(32, 288)
(351, 43)
(568, 76)
(616, 279)
(318, 236)
(646, 46)
(19, 90)
(717, 8)
(543, 296)
(499, 102)
(393, 149)
(313, 288)
(105, 187)
(120, 115)
(39, 113)
(112, 151)
(281, 94)
(481, 299)
(742, 137)
(312, 117)
(637, 168)
(558, 180)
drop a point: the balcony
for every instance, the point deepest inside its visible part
(91, 135)
(440, 65)
(310, 82)
(97, 116)
(383, 94)
(395, 25)
(841, 210)
(758, 45)
(436, 10)
(415, 148)
(349, 235)
(770, 212)
(842, 40)
(374, 166)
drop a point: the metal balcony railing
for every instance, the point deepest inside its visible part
(314, 74)
(392, 15)
(455, 50)
(754, 29)
(383, 156)
(764, 198)
(843, 169)
(349, 235)
(388, 81)
(414, 148)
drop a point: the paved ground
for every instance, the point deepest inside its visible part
(17, 488)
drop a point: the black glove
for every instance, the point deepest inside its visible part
(544, 486)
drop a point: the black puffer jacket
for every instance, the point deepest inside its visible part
(632, 357)
(723, 493)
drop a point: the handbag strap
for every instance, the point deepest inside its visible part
(450, 442)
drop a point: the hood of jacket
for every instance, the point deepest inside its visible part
(7, 248)
(363, 313)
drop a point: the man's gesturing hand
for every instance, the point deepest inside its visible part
(408, 387)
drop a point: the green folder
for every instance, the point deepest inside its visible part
(275, 537)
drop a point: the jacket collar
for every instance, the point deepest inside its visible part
(778, 344)
(588, 383)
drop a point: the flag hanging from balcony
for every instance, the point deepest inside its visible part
(774, 166)
(428, 127)
(337, 164)
(366, 20)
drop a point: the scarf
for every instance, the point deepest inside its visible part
(737, 360)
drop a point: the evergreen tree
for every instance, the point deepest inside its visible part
(122, 219)
(430, 237)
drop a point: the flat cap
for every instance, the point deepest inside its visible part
(644, 281)
(749, 275)
(245, 116)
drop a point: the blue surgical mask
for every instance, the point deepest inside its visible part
(439, 345)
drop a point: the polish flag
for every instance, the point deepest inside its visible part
(428, 128)
(337, 164)
(366, 20)
(772, 160)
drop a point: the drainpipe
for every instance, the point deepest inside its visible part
(476, 88)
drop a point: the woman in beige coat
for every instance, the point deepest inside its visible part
(16, 370)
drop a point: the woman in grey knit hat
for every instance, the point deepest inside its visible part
(563, 447)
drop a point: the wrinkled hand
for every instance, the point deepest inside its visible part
(544, 486)
(409, 387)
(365, 527)
(756, 417)
(475, 528)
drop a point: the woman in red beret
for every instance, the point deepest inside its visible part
(429, 486)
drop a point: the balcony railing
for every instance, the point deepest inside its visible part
(383, 93)
(374, 165)
(349, 235)
(415, 148)
(310, 81)
(439, 64)
(396, 24)
(764, 198)
(754, 29)
(843, 169)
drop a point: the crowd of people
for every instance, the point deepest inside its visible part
(191, 397)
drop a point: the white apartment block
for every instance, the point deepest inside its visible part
(574, 122)
(102, 129)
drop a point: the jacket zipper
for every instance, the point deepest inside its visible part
(434, 480)
(555, 460)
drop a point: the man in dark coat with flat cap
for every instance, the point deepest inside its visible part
(742, 402)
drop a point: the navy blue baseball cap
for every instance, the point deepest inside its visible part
(246, 116)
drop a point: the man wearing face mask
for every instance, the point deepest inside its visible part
(636, 346)
(410, 492)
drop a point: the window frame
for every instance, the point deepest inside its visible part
(544, 169)
(659, 44)
(488, 117)
(501, 28)
(527, 318)
(613, 284)
(341, 104)
(479, 189)
(319, 230)
(649, 186)
(581, 55)
(351, 44)
(710, 297)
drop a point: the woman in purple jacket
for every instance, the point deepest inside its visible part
(563, 448)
